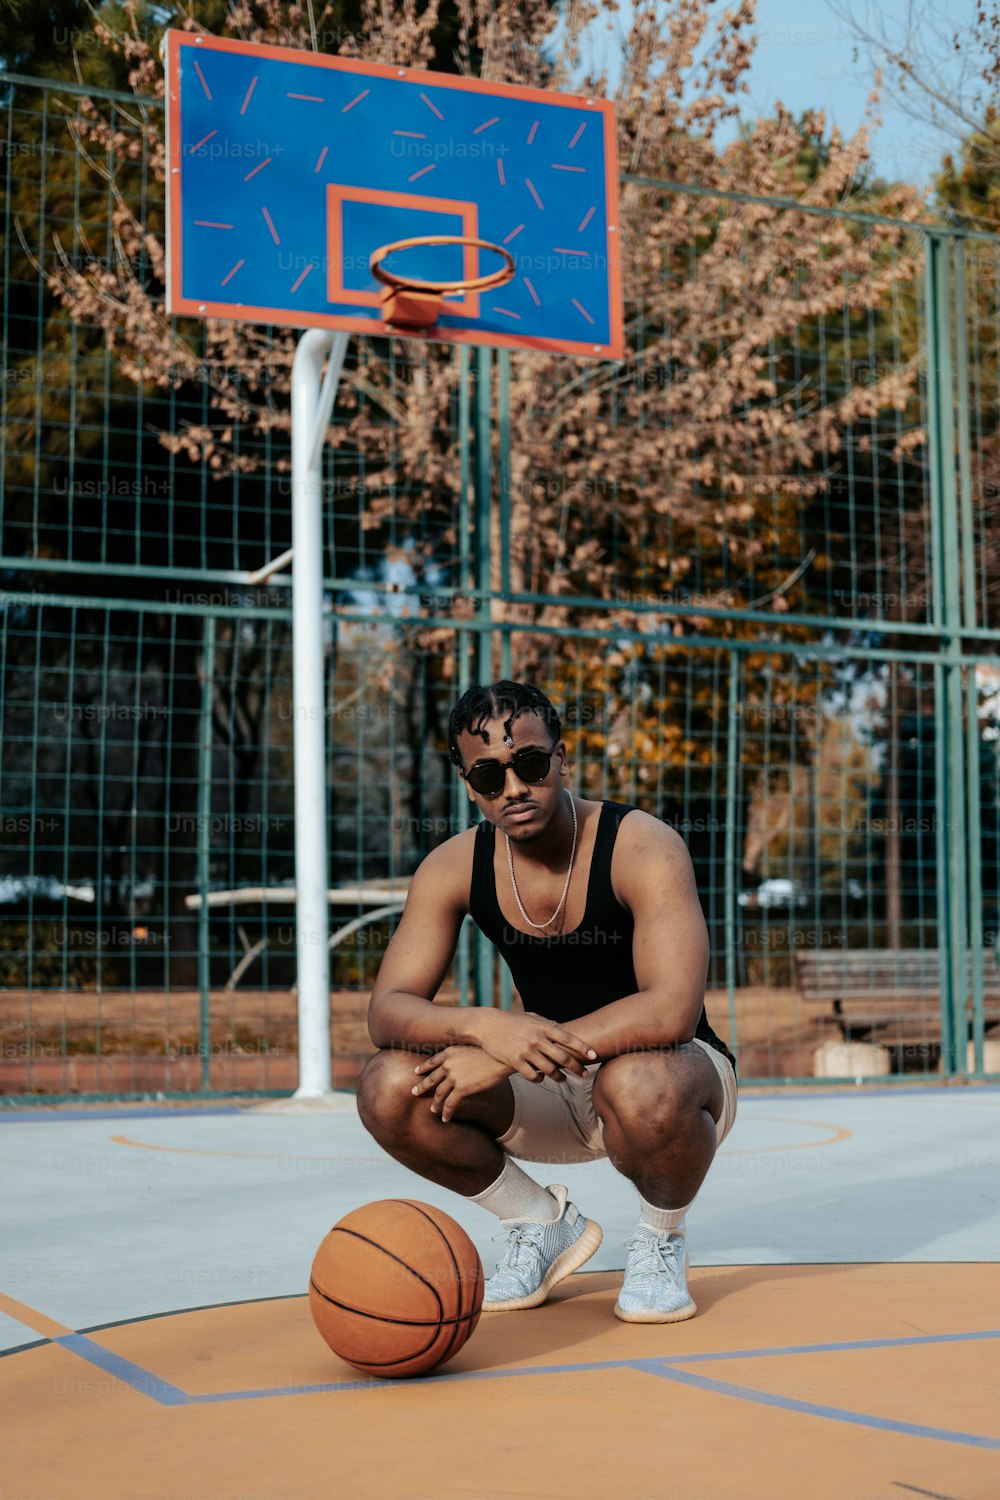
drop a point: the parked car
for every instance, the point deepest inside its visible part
(775, 894)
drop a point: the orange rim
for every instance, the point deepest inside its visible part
(470, 284)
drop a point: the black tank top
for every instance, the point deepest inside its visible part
(576, 972)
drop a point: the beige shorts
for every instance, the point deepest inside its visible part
(557, 1122)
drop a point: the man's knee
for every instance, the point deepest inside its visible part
(651, 1095)
(384, 1086)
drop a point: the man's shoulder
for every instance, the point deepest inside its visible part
(459, 842)
(447, 869)
(647, 851)
(652, 872)
(639, 830)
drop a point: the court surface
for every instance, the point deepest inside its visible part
(156, 1338)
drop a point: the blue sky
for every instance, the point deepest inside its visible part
(808, 57)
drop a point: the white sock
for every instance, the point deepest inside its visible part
(663, 1220)
(515, 1195)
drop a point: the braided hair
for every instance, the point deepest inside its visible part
(483, 702)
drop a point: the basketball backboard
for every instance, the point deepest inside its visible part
(288, 169)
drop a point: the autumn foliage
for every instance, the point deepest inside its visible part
(683, 472)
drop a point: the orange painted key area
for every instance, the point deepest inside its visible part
(848, 1382)
(156, 1341)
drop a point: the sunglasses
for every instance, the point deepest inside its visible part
(490, 777)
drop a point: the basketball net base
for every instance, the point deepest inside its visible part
(404, 307)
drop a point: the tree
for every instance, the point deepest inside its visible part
(945, 73)
(688, 473)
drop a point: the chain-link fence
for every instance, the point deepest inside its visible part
(754, 565)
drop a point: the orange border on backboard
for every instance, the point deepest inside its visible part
(177, 304)
(467, 306)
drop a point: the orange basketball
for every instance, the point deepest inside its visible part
(396, 1288)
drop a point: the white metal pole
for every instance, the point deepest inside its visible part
(311, 410)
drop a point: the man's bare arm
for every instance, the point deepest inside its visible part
(402, 1013)
(670, 948)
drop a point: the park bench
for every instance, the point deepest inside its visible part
(890, 995)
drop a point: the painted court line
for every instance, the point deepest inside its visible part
(829, 1413)
(839, 1132)
(165, 1394)
(664, 1367)
(35, 1115)
(750, 1093)
(30, 1317)
(140, 1379)
(847, 1347)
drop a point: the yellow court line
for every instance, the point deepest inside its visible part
(31, 1318)
(123, 1140)
(840, 1133)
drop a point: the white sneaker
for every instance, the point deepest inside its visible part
(539, 1255)
(655, 1286)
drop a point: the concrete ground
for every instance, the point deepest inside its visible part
(131, 1211)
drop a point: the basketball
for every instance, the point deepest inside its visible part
(396, 1288)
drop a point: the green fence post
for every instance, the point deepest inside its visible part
(967, 542)
(952, 913)
(975, 860)
(204, 837)
(732, 754)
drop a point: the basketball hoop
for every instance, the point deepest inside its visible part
(408, 303)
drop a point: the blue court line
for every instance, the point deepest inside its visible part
(166, 1394)
(373, 1382)
(749, 1093)
(900, 1343)
(45, 1115)
(811, 1409)
(141, 1380)
(761, 1091)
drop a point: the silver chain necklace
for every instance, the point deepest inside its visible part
(569, 872)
